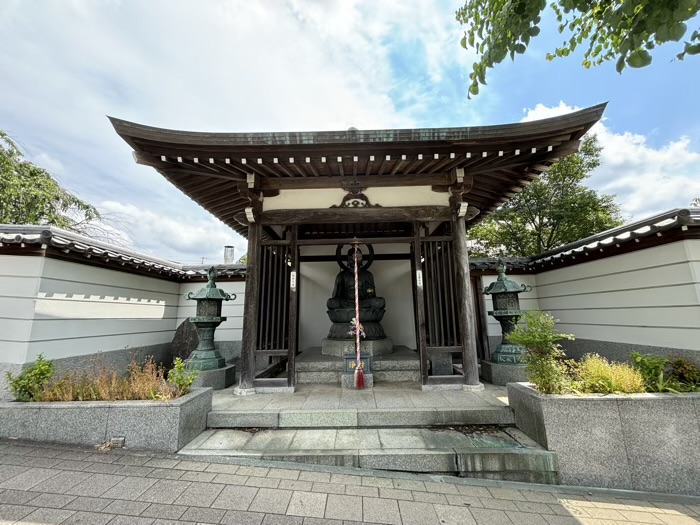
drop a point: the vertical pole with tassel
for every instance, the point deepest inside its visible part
(359, 374)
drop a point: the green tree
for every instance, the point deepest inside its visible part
(30, 195)
(622, 30)
(553, 210)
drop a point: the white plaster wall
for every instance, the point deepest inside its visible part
(19, 284)
(649, 297)
(229, 330)
(392, 280)
(528, 300)
(80, 309)
(327, 197)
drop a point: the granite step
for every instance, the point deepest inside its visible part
(500, 453)
(360, 418)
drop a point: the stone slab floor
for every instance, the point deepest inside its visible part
(383, 395)
(43, 484)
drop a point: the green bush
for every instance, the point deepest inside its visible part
(181, 378)
(662, 374)
(597, 375)
(30, 382)
(544, 357)
(684, 372)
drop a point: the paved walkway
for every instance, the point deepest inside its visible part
(383, 395)
(63, 485)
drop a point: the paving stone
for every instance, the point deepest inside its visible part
(323, 477)
(317, 418)
(128, 508)
(203, 515)
(129, 488)
(313, 440)
(469, 490)
(16, 497)
(222, 469)
(85, 503)
(274, 439)
(289, 484)
(131, 520)
(381, 511)
(528, 506)
(238, 517)
(166, 473)
(253, 471)
(454, 515)
(377, 482)
(72, 465)
(323, 521)
(134, 470)
(47, 516)
(269, 483)
(164, 521)
(511, 494)
(395, 494)
(344, 507)
(95, 485)
(640, 517)
(201, 477)
(356, 490)
(277, 519)
(56, 501)
(328, 488)
(441, 488)
(12, 513)
(42, 462)
(28, 479)
(161, 463)
(197, 466)
(164, 491)
(490, 517)
(356, 438)
(200, 494)
(133, 460)
(499, 504)
(346, 479)
(235, 497)
(159, 510)
(409, 484)
(61, 482)
(461, 501)
(103, 468)
(417, 513)
(283, 474)
(310, 504)
(271, 501)
(230, 479)
(525, 518)
(561, 520)
(429, 497)
(89, 518)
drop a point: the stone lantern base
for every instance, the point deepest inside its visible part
(501, 374)
(218, 379)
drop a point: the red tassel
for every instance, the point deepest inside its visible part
(359, 378)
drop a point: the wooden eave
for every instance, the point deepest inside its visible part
(212, 168)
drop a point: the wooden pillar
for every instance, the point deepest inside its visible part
(418, 280)
(250, 309)
(293, 306)
(463, 286)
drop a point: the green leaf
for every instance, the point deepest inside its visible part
(620, 65)
(533, 31)
(676, 31)
(474, 89)
(639, 58)
(692, 49)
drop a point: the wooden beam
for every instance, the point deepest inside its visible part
(467, 332)
(419, 303)
(293, 306)
(352, 215)
(365, 181)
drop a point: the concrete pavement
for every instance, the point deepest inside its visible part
(44, 484)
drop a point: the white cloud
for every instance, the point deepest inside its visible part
(211, 65)
(645, 179)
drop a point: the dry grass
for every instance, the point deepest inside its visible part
(141, 382)
(597, 375)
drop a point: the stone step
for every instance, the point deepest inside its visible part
(483, 452)
(360, 418)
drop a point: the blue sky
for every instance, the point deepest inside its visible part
(274, 65)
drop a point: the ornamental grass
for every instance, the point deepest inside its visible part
(597, 375)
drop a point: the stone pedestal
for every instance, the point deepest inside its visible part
(500, 374)
(218, 379)
(345, 347)
(348, 381)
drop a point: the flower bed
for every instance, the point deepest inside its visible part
(647, 442)
(148, 425)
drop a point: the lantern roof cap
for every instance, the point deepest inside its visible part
(210, 291)
(504, 285)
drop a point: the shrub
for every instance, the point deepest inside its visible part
(544, 357)
(181, 378)
(29, 383)
(597, 375)
(653, 370)
(684, 371)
